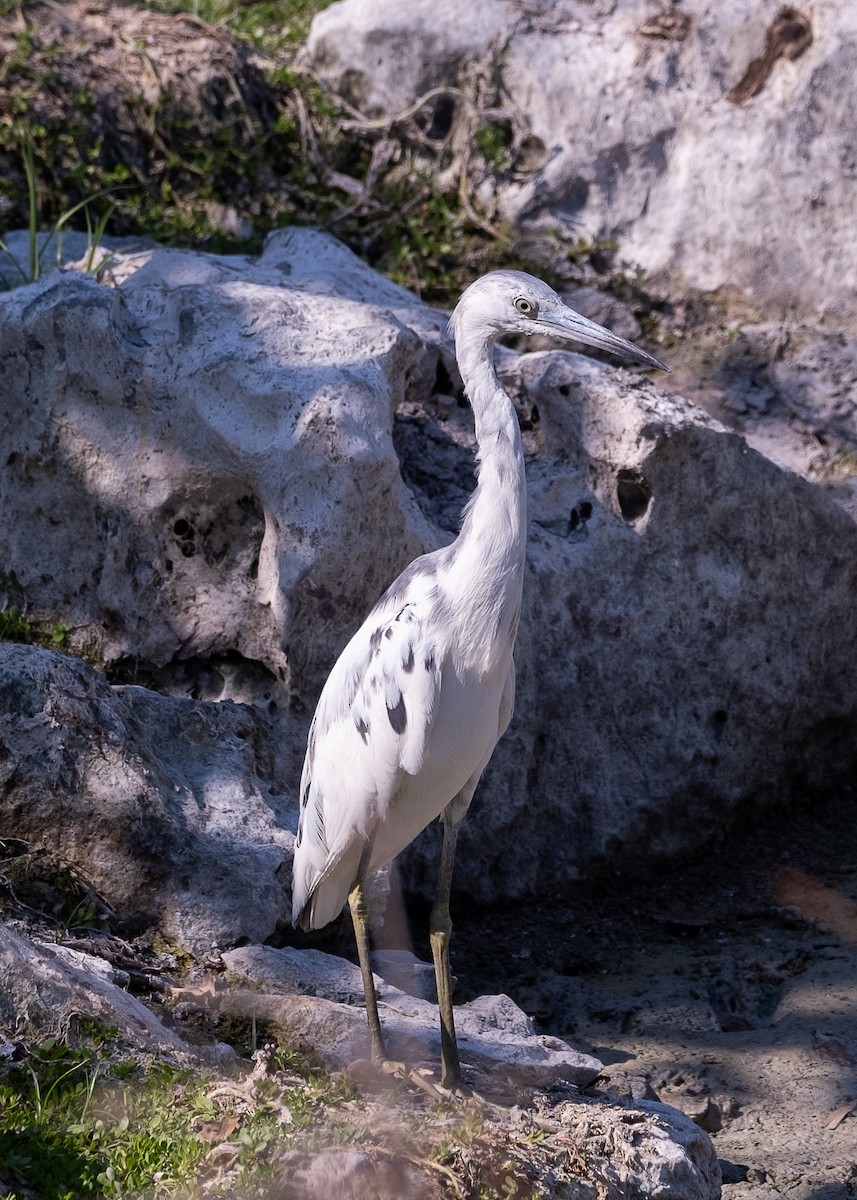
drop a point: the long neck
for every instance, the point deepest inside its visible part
(488, 566)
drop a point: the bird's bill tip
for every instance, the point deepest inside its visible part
(573, 326)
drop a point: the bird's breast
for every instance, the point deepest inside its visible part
(462, 738)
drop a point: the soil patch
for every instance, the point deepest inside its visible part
(730, 983)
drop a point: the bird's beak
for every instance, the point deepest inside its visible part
(566, 323)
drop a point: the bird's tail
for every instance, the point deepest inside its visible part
(318, 897)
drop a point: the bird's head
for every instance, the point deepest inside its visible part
(512, 302)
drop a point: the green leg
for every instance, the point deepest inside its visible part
(357, 904)
(440, 929)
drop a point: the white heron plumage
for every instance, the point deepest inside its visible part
(413, 708)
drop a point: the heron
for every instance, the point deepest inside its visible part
(418, 699)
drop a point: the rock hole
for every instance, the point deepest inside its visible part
(579, 515)
(564, 389)
(634, 494)
(443, 385)
(718, 722)
(532, 154)
(527, 421)
(441, 119)
(576, 195)
(181, 528)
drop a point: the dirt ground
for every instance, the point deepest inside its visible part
(730, 983)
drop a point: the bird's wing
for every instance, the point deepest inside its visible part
(370, 728)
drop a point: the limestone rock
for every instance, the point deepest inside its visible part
(214, 466)
(670, 573)
(499, 1047)
(714, 143)
(219, 455)
(43, 991)
(157, 801)
(642, 1149)
(408, 973)
(352, 1175)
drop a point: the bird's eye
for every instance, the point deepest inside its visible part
(527, 308)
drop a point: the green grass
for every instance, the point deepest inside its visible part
(177, 167)
(15, 626)
(30, 271)
(273, 25)
(71, 1127)
(272, 166)
(78, 1121)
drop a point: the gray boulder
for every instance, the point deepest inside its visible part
(163, 805)
(46, 990)
(683, 620)
(713, 141)
(499, 1046)
(215, 465)
(185, 463)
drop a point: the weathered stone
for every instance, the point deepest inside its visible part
(209, 446)
(44, 991)
(159, 802)
(642, 1149)
(500, 1050)
(352, 1175)
(636, 129)
(408, 973)
(670, 574)
(215, 465)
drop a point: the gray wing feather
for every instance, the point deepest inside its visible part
(375, 711)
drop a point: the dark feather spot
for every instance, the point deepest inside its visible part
(305, 795)
(408, 663)
(362, 729)
(300, 835)
(319, 823)
(388, 633)
(429, 661)
(398, 716)
(375, 640)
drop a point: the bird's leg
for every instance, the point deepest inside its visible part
(357, 904)
(440, 931)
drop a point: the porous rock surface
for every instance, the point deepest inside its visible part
(164, 805)
(713, 140)
(181, 441)
(44, 990)
(215, 465)
(498, 1044)
(608, 1149)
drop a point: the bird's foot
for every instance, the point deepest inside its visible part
(419, 1077)
(455, 1091)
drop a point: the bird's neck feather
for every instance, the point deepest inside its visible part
(489, 554)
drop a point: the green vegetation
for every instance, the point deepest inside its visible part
(275, 26)
(492, 142)
(15, 626)
(259, 146)
(85, 1121)
(32, 270)
(35, 883)
(84, 1118)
